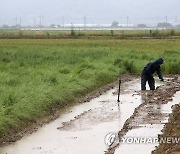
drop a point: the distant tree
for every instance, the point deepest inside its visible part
(15, 26)
(177, 27)
(5, 26)
(141, 26)
(59, 26)
(52, 26)
(114, 24)
(18, 26)
(172, 32)
(164, 25)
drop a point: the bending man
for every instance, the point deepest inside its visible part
(148, 71)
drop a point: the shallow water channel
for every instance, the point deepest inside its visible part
(83, 128)
(144, 138)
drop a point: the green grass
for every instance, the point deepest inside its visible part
(17, 33)
(38, 75)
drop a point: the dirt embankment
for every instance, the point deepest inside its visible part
(145, 114)
(171, 129)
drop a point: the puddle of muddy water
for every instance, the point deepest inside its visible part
(146, 131)
(85, 133)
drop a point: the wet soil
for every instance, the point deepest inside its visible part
(149, 113)
(171, 129)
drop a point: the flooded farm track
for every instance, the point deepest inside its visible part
(149, 118)
(85, 127)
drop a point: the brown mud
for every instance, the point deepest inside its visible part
(149, 112)
(171, 129)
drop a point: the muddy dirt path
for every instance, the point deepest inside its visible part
(85, 128)
(148, 119)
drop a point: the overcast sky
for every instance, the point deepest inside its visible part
(95, 11)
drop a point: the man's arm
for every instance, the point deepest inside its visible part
(160, 74)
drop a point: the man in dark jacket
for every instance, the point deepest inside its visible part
(148, 71)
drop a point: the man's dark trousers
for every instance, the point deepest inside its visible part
(151, 82)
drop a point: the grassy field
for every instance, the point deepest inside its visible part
(38, 75)
(17, 33)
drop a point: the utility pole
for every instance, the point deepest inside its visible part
(127, 21)
(72, 27)
(166, 19)
(16, 21)
(84, 23)
(20, 21)
(63, 22)
(40, 21)
(176, 19)
(43, 23)
(34, 22)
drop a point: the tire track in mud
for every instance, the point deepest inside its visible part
(90, 118)
(146, 113)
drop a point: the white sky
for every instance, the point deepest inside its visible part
(96, 11)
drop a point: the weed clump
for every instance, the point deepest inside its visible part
(129, 66)
(126, 64)
(173, 67)
(64, 71)
(10, 100)
(118, 62)
(155, 33)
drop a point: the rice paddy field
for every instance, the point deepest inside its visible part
(80, 33)
(38, 75)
